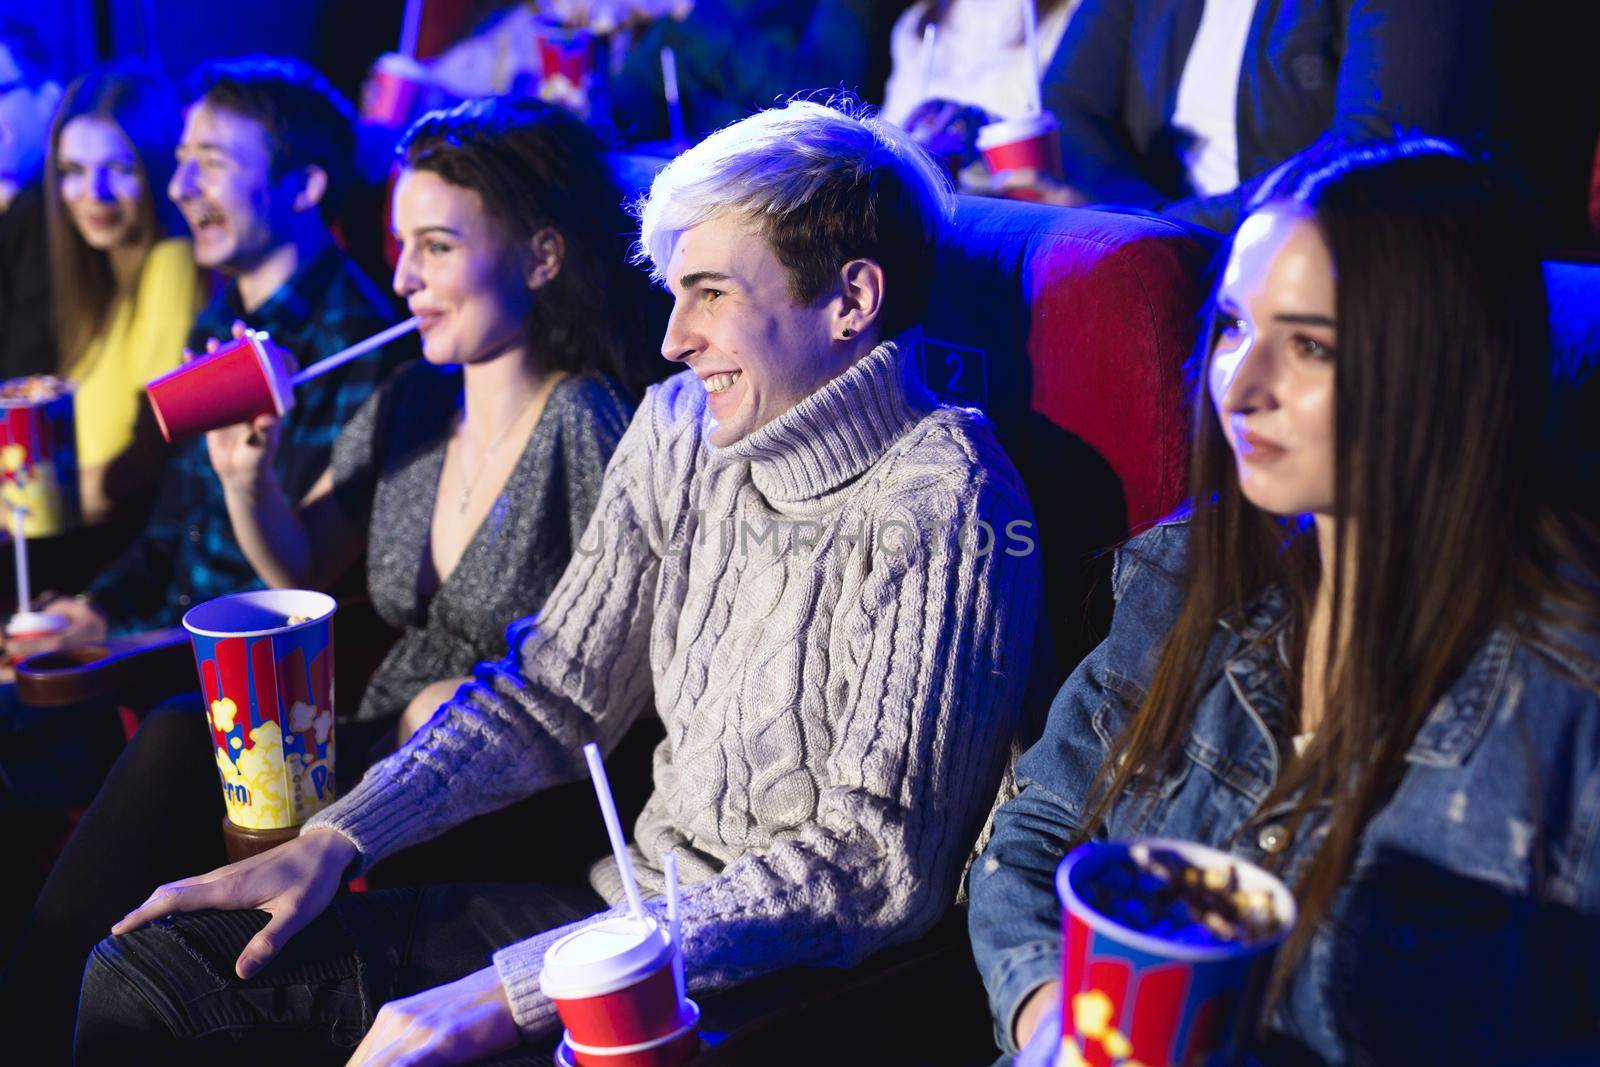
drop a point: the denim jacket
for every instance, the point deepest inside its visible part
(1468, 929)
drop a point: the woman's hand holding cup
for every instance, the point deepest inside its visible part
(243, 452)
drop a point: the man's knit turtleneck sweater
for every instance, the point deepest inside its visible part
(832, 618)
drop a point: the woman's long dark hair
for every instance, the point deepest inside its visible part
(536, 166)
(145, 108)
(1443, 379)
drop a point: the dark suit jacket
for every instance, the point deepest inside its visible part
(1345, 69)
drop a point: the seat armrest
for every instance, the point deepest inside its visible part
(135, 671)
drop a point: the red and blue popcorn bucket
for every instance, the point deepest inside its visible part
(1135, 997)
(266, 670)
(39, 454)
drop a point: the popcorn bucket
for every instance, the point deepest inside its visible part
(1137, 991)
(266, 670)
(237, 382)
(391, 96)
(1033, 141)
(613, 984)
(39, 453)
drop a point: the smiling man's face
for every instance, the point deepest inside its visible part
(223, 185)
(736, 324)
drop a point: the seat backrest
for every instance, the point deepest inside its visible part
(1574, 290)
(1072, 330)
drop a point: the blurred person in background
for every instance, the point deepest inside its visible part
(123, 274)
(978, 71)
(1185, 107)
(732, 57)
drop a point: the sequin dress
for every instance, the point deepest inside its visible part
(386, 469)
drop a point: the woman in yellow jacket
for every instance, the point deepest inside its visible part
(124, 282)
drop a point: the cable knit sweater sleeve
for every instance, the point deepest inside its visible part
(938, 639)
(579, 671)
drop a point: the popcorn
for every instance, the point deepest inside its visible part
(1158, 892)
(34, 388)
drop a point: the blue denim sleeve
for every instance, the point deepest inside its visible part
(1013, 917)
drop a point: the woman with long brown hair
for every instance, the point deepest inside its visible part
(125, 285)
(1367, 657)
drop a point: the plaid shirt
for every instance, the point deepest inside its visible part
(186, 553)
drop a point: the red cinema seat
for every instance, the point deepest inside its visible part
(1072, 329)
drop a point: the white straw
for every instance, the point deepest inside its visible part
(608, 811)
(669, 85)
(930, 42)
(19, 544)
(1030, 31)
(411, 29)
(360, 348)
(675, 925)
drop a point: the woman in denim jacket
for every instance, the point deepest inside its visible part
(1372, 456)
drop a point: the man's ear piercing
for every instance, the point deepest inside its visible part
(848, 333)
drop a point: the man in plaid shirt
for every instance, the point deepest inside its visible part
(267, 148)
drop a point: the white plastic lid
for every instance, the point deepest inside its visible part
(1008, 130)
(36, 624)
(610, 955)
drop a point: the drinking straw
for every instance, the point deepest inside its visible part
(608, 811)
(930, 42)
(360, 348)
(19, 546)
(1030, 31)
(669, 84)
(411, 29)
(675, 924)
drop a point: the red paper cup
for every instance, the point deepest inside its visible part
(234, 384)
(392, 92)
(572, 67)
(1133, 996)
(612, 983)
(39, 454)
(675, 1049)
(1033, 141)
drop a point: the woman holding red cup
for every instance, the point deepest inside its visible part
(1365, 660)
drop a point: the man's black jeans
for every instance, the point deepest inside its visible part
(167, 993)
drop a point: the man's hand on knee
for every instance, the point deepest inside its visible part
(291, 883)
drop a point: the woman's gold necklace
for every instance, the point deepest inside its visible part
(535, 403)
(468, 482)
